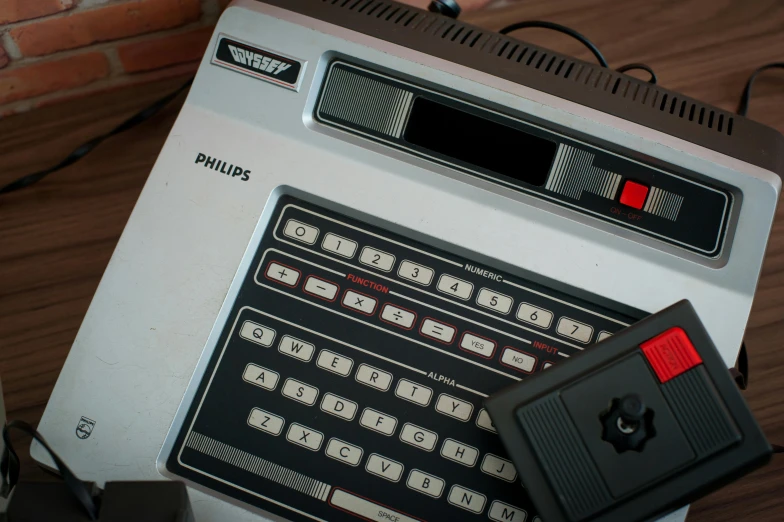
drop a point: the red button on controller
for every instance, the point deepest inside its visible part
(671, 354)
(634, 194)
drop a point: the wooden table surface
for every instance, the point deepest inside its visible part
(56, 237)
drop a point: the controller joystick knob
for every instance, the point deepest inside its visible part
(631, 412)
(632, 408)
(627, 424)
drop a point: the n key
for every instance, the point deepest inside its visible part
(467, 499)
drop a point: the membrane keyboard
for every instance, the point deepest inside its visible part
(349, 377)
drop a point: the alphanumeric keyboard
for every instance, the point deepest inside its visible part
(349, 375)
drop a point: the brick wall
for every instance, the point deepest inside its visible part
(52, 50)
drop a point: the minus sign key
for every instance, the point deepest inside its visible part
(321, 288)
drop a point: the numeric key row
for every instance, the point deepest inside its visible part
(447, 284)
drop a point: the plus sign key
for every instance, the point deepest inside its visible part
(282, 274)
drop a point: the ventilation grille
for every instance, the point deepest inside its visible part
(544, 61)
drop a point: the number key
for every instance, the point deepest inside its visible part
(455, 287)
(574, 330)
(494, 301)
(534, 315)
(416, 273)
(339, 245)
(377, 259)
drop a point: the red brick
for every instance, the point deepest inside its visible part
(102, 24)
(15, 10)
(182, 71)
(168, 50)
(3, 57)
(54, 75)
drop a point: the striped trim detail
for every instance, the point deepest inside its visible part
(573, 173)
(366, 102)
(258, 466)
(663, 204)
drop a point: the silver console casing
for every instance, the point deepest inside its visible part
(173, 269)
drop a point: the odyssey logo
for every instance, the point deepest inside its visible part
(258, 63)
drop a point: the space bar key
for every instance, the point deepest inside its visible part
(366, 509)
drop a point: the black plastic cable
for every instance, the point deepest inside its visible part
(639, 66)
(583, 40)
(561, 29)
(743, 107)
(83, 150)
(9, 467)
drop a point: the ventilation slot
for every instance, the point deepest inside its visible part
(434, 22)
(678, 108)
(402, 15)
(391, 13)
(373, 9)
(366, 6)
(490, 44)
(452, 32)
(448, 30)
(406, 24)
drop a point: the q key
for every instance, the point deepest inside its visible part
(256, 333)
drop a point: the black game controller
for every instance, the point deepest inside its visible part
(632, 429)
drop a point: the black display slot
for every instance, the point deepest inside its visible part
(480, 142)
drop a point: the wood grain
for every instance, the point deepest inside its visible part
(56, 238)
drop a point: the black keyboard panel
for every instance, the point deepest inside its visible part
(349, 377)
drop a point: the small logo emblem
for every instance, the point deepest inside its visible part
(85, 428)
(259, 63)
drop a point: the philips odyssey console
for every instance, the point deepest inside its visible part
(367, 219)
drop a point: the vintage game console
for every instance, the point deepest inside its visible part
(367, 219)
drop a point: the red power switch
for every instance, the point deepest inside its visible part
(634, 194)
(671, 354)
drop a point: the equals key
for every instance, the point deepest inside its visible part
(439, 331)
